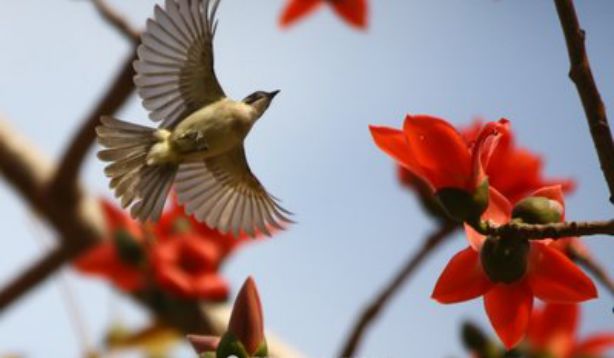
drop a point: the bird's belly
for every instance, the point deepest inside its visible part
(215, 137)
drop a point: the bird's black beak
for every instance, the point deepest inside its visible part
(273, 94)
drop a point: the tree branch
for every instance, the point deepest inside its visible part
(117, 21)
(63, 185)
(581, 74)
(373, 309)
(547, 231)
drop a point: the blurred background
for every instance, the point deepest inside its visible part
(356, 225)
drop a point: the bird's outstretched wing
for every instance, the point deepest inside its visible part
(223, 192)
(174, 70)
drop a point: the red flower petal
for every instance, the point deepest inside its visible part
(211, 286)
(440, 150)
(498, 212)
(116, 219)
(353, 11)
(484, 147)
(102, 261)
(552, 329)
(462, 279)
(297, 9)
(174, 280)
(509, 308)
(555, 278)
(595, 345)
(393, 142)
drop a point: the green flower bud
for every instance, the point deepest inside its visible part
(128, 249)
(538, 210)
(477, 342)
(464, 206)
(505, 259)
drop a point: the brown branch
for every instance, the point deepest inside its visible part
(120, 90)
(548, 231)
(63, 185)
(592, 266)
(581, 74)
(117, 21)
(32, 276)
(373, 309)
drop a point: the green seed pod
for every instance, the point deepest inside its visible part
(505, 259)
(464, 206)
(538, 210)
(128, 249)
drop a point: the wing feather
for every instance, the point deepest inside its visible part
(223, 192)
(174, 71)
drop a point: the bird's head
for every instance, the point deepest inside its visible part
(260, 101)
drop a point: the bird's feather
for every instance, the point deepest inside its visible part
(223, 192)
(174, 70)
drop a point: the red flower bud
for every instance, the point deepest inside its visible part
(246, 321)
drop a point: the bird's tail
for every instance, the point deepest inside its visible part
(137, 183)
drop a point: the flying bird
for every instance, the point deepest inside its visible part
(198, 144)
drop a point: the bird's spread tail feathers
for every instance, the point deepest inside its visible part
(138, 184)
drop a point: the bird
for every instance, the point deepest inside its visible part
(198, 144)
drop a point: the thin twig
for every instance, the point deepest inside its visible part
(592, 266)
(581, 74)
(548, 231)
(117, 21)
(32, 276)
(373, 309)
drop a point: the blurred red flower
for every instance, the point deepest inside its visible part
(548, 275)
(187, 266)
(354, 12)
(117, 257)
(175, 221)
(503, 169)
(435, 151)
(552, 332)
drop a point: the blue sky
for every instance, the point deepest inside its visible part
(450, 58)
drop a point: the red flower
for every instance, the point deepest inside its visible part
(552, 332)
(354, 12)
(506, 161)
(433, 150)
(537, 270)
(116, 257)
(186, 265)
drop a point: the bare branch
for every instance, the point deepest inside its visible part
(547, 231)
(64, 183)
(581, 74)
(117, 21)
(373, 309)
